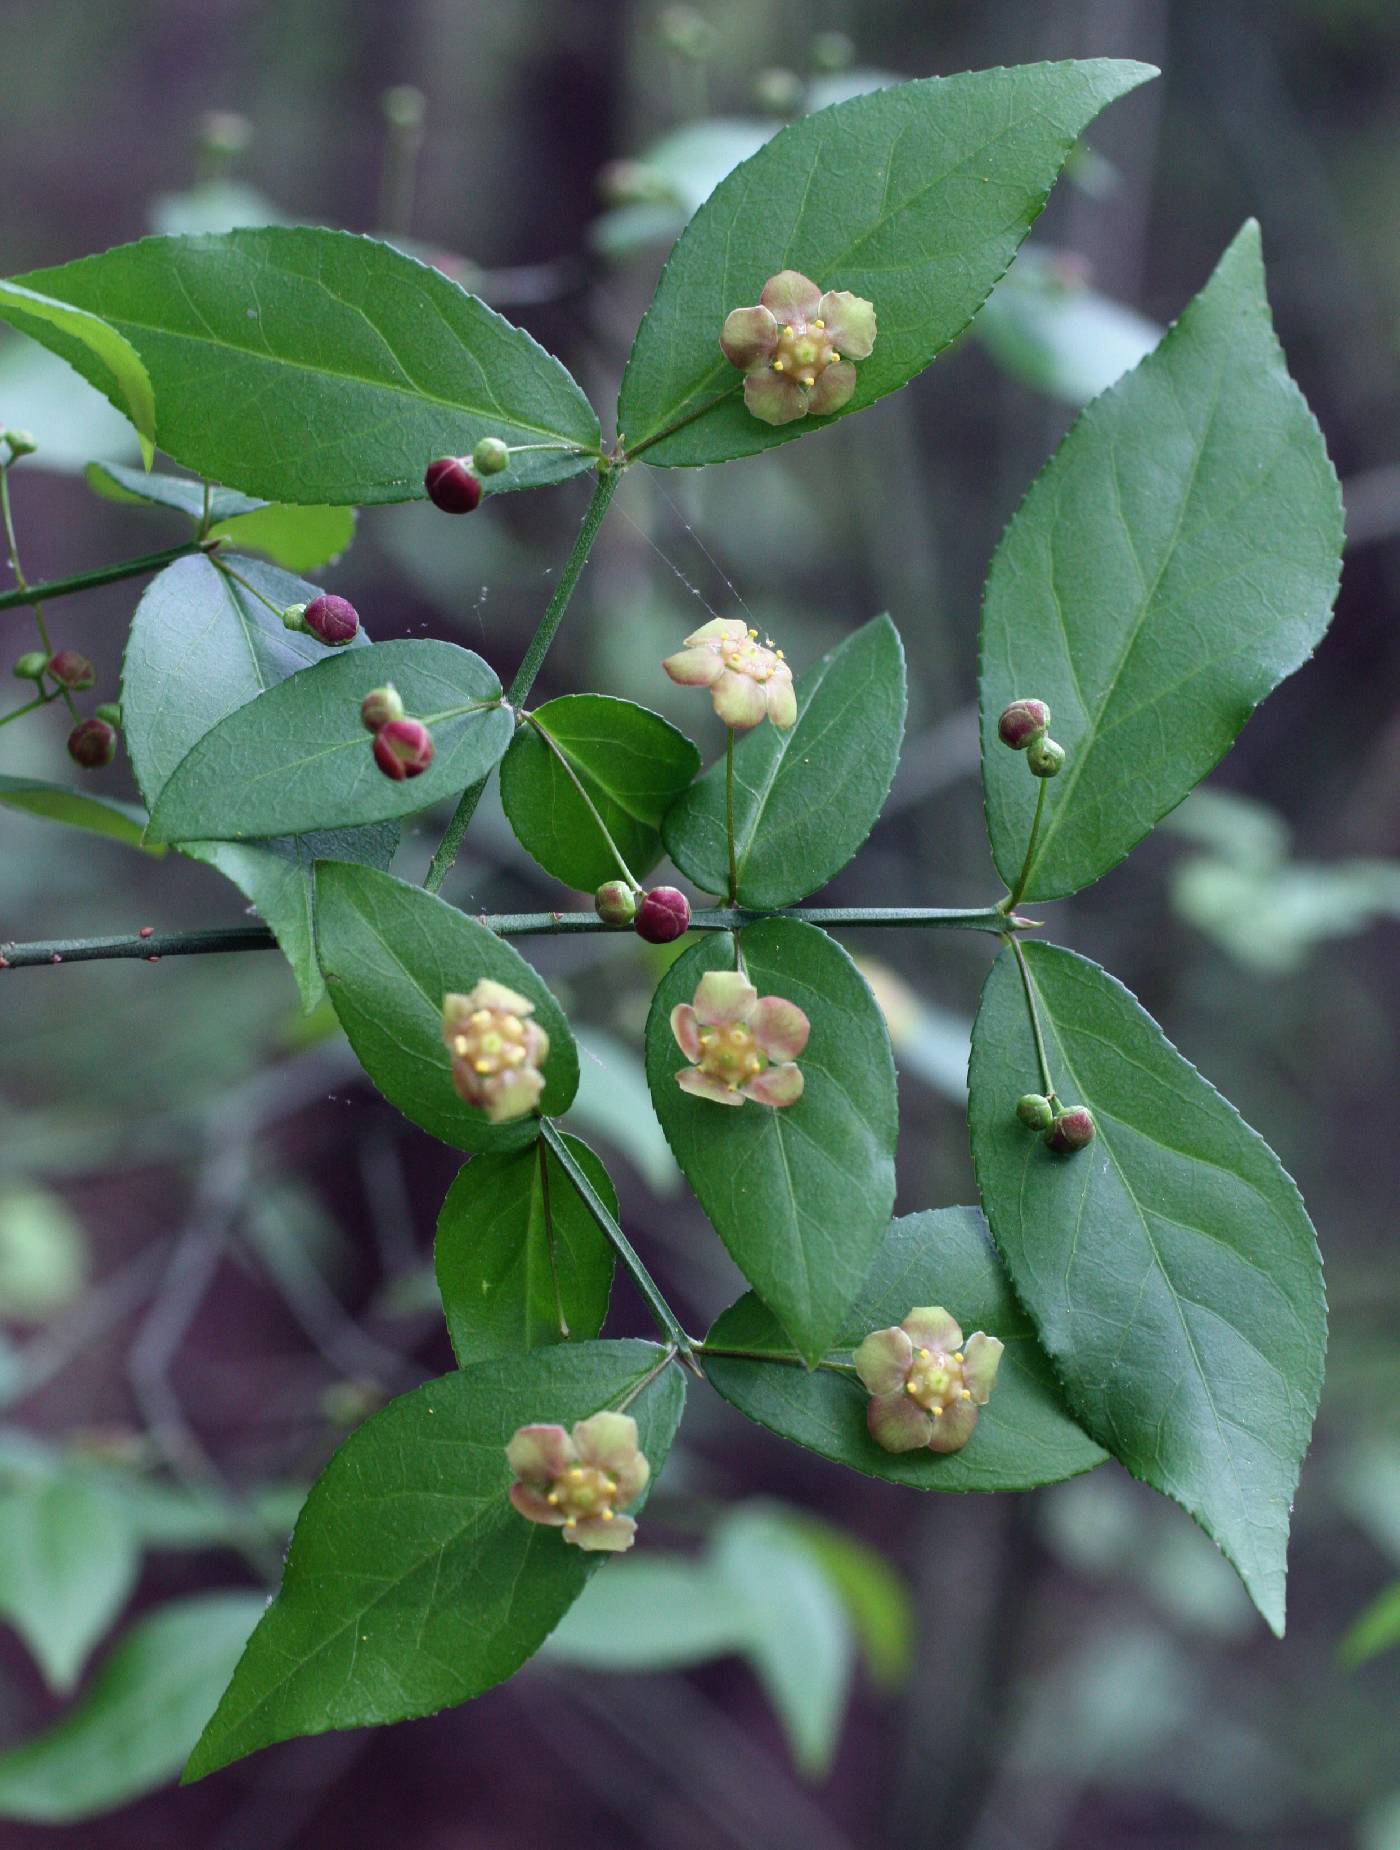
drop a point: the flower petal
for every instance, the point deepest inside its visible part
(782, 701)
(774, 399)
(896, 1424)
(492, 995)
(749, 337)
(718, 629)
(931, 1327)
(882, 1360)
(952, 1432)
(793, 299)
(739, 700)
(776, 1086)
(983, 1355)
(723, 996)
(517, 1097)
(779, 1027)
(607, 1439)
(534, 1507)
(701, 1085)
(536, 1044)
(537, 1454)
(685, 1025)
(632, 1478)
(598, 1537)
(850, 323)
(697, 667)
(832, 390)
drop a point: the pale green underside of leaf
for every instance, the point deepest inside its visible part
(915, 197)
(1170, 1268)
(299, 539)
(801, 1196)
(123, 822)
(108, 358)
(389, 953)
(136, 488)
(1024, 1436)
(804, 799)
(308, 365)
(1176, 559)
(68, 1561)
(412, 1583)
(505, 1272)
(299, 758)
(632, 763)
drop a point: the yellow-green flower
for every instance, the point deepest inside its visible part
(925, 1383)
(579, 1483)
(796, 346)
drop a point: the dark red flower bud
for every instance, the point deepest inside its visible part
(1072, 1130)
(72, 670)
(381, 706)
(452, 485)
(92, 743)
(663, 915)
(1023, 721)
(403, 748)
(331, 620)
(615, 902)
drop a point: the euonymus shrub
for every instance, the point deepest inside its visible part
(1140, 1280)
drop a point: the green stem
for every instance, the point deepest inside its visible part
(788, 1358)
(549, 1239)
(664, 1361)
(631, 455)
(518, 692)
(105, 574)
(223, 566)
(729, 814)
(665, 1317)
(1028, 984)
(40, 700)
(1013, 898)
(27, 594)
(533, 719)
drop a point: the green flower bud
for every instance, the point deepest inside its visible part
(491, 455)
(110, 713)
(31, 666)
(1045, 758)
(615, 903)
(779, 91)
(404, 106)
(20, 442)
(381, 706)
(294, 616)
(832, 51)
(1035, 1111)
(687, 33)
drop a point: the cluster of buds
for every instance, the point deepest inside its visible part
(1024, 727)
(748, 681)
(925, 1384)
(453, 483)
(1065, 1128)
(403, 747)
(740, 1045)
(795, 347)
(92, 743)
(497, 1051)
(581, 1482)
(333, 621)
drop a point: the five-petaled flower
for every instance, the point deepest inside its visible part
(740, 1044)
(925, 1384)
(579, 1483)
(497, 1051)
(748, 680)
(796, 346)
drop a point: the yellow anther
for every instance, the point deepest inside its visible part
(752, 634)
(967, 1393)
(571, 1522)
(787, 333)
(460, 1046)
(607, 1515)
(553, 1497)
(511, 1024)
(818, 324)
(481, 1066)
(834, 356)
(515, 1055)
(781, 656)
(937, 1413)
(910, 1388)
(958, 1357)
(480, 1018)
(577, 1474)
(809, 379)
(777, 366)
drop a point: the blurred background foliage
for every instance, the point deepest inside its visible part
(215, 1240)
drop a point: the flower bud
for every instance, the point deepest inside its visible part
(615, 903)
(490, 456)
(403, 748)
(110, 712)
(92, 743)
(1035, 1111)
(663, 916)
(331, 620)
(21, 443)
(404, 106)
(294, 616)
(832, 51)
(1072, 1130)
(1045, 757)
(687, 33)
(1022, 723)
(381, 706)
(452, 485)
(779, 91)
(31, 666)
(72, 670)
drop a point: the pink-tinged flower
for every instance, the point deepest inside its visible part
(740, 1044)
(580, 1483)
(497, 1051)
(748, 681)
(796, 346)
(925, 1384)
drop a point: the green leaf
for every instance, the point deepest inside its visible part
(1176, 559)
(101, 352)
(801, 1196)
(518, 1253)
(876, 1598)
(43, 394)
(389, 953)
(299, 758)
(915, 197)
(135, 1726)
(123, 822)
(1170, 1268)
(201, 646)
(136, 488)
(804, 799)
(68, 1561)
(297, 538)
(1375, 1629)
(412, 1583)
(633, 765)
(308, 365)
(1024, 1436)
(1047, 328)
